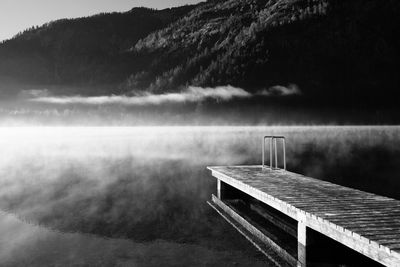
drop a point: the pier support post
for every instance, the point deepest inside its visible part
(219, 189)
(301, 241)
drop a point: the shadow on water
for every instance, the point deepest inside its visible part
(137, 196)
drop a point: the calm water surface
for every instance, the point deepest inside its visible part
(136, 196)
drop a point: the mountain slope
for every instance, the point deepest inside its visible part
(221, 41)
(341, 52)
(329, 48)
(81, 51)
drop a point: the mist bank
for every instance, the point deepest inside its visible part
(191, 94)
(143, 189)
(238, 111)
(222, 105)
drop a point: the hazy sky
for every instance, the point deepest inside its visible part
(17, 15)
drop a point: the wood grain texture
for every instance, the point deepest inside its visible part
(365, 222)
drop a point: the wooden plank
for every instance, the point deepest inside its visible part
(371, 222)
(365, 221)
(357, 219)
(393, 247)
(267, 199)
(357, 243)
(385, 238)
(348, 215)
(382, 236)
(361, 229)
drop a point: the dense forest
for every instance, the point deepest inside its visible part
(88, 52)
(344, 52)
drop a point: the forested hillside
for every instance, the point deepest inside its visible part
(339, 49)
(84, 51)
(331, 49)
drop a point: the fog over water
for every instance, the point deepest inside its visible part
(137, 196)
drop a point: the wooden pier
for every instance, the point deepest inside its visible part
(255, 199)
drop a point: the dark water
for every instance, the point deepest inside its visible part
(136, 196)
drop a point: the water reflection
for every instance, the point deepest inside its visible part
(137, 196)
(23, 244)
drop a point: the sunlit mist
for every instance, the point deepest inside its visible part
(142, 190)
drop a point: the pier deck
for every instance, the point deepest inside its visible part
(364, 222)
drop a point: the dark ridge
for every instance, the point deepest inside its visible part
(85, 51)
(338, 53)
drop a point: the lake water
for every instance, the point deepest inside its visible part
(137, 196)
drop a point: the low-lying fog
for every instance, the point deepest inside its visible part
(136, 196)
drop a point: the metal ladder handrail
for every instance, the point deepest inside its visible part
(273, 144)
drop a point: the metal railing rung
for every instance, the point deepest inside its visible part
(273, 151)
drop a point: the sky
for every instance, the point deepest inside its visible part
(18, 15)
